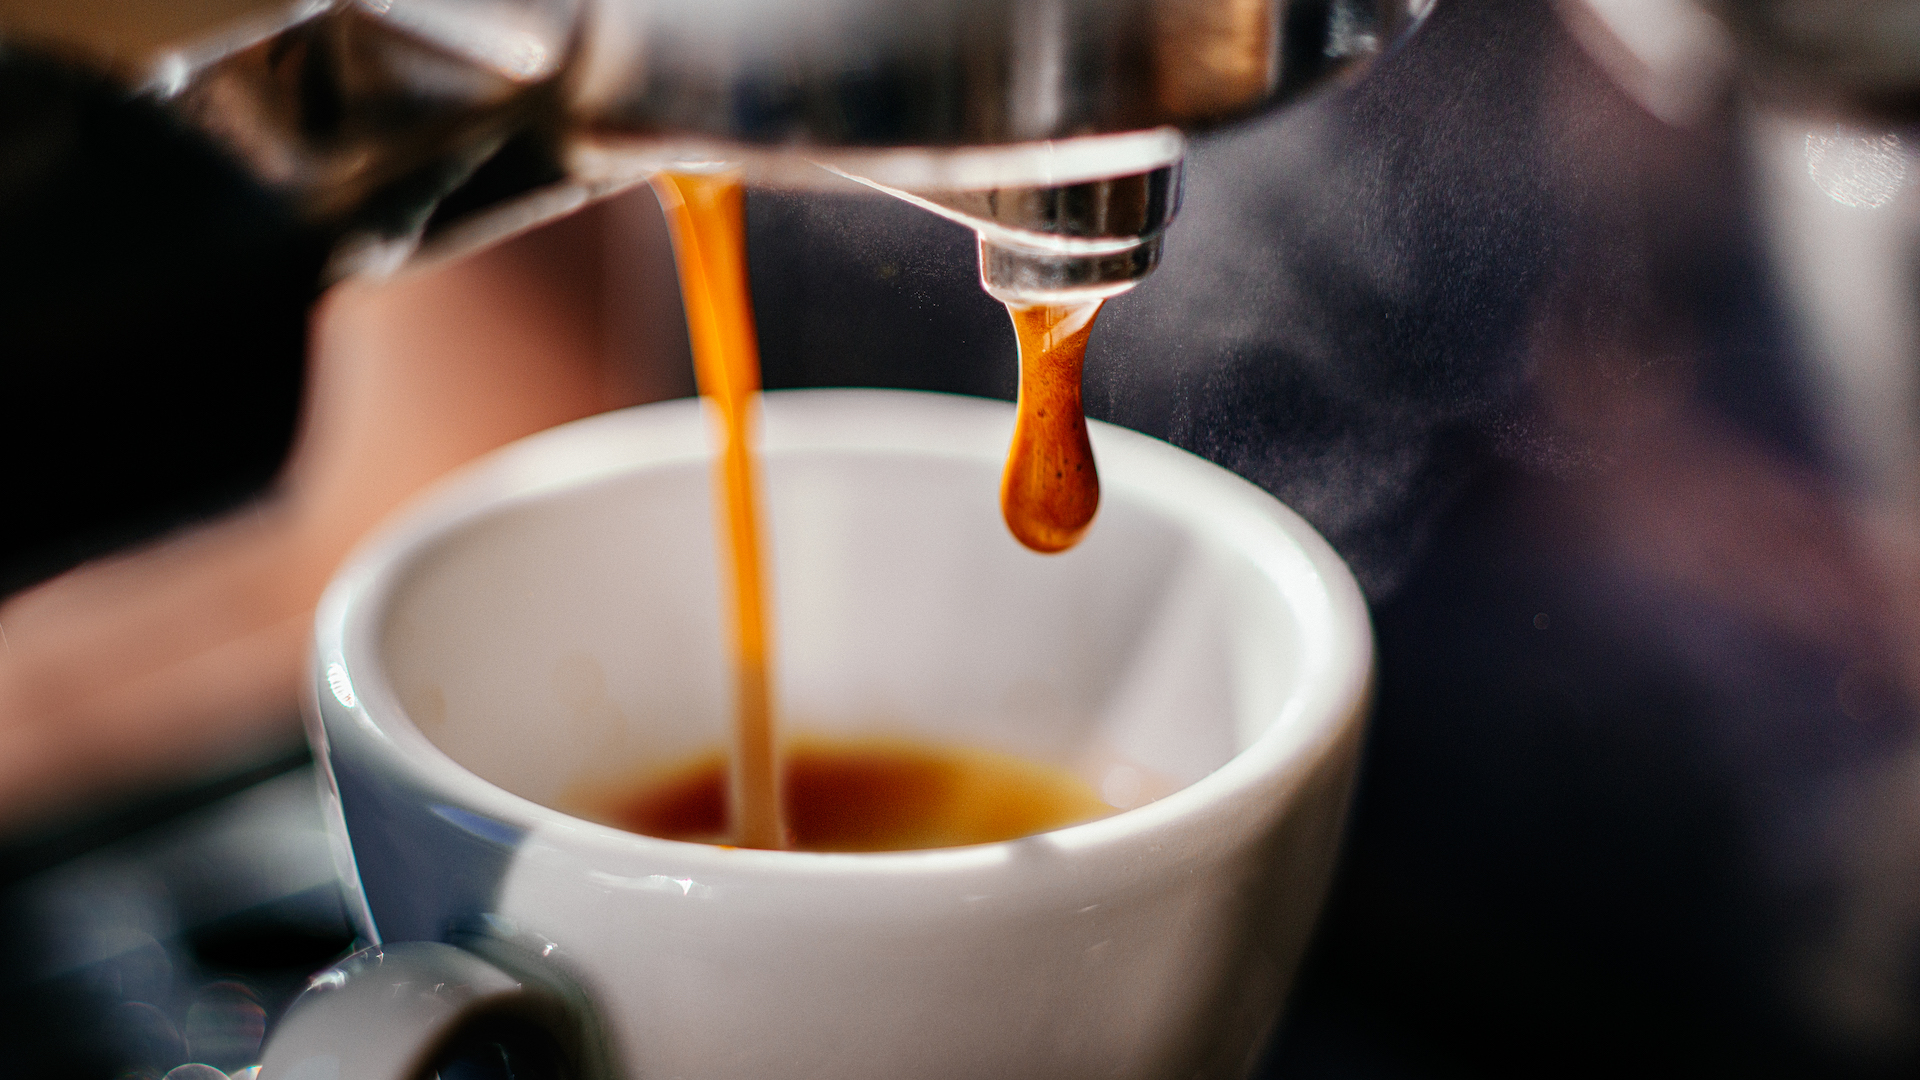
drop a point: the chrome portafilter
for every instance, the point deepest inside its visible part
(421, 128)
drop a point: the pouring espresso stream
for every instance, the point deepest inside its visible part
(1049, 494)
(705, 215)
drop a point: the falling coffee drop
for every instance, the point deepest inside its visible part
(1050, 489)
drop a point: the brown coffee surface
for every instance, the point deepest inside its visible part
(859, 794)
(1050, 489)
(705, 215)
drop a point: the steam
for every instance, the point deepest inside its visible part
(1323, 329)
(1343, 306)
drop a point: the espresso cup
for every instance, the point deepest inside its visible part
(553, 615)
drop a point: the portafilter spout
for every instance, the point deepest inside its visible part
(1051, 127)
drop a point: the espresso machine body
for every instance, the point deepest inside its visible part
(417, 128)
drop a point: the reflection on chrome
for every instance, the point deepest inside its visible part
(1856, 169)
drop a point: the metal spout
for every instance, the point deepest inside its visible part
(1015, 275)
(1076, 238)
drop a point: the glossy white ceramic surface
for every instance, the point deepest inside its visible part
(552, 616)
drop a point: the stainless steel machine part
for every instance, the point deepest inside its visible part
(1052, 127)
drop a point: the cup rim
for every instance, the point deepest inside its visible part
(1327, 702)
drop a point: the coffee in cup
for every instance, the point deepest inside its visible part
(550, 618)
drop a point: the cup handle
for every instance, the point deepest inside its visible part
(391, 1012)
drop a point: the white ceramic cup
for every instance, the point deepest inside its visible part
(553, 614)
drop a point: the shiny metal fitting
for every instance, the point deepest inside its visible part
(1077, 239)
(1014, 275)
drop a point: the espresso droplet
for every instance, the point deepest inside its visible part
(1050, 489)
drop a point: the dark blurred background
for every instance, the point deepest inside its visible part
(1641, 791)
(145, 280)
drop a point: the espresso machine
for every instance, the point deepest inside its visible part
(414, 130)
